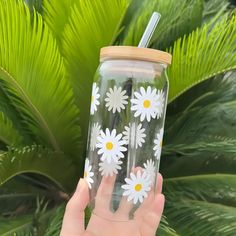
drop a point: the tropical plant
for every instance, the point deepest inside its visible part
(49, 52)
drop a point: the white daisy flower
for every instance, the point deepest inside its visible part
(94, 99)
(110, 145)
(150, 169)
(95, 132)
(148, 103)
(160, 103)
(88, 174)
(111, 168)
(137, 186)
(135, 134)
(116, 99)
(158, 143)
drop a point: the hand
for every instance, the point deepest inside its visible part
(146, 217)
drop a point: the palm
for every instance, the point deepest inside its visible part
(132, 227)
(47, 62)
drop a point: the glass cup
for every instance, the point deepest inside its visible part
(127, 114)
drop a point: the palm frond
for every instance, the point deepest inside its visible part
(214, 9)
(26, 224)
(21, 226)
(56, 15)
(35, 4)
(220, 146)
(34, 77)
(92, 25)
(178, 18)
(54, 227)
(8, 134)
(202, 205)
(213, 123)
(35, 159)
(218, 188)
(202, 55)
(164, 228)
(14, 114)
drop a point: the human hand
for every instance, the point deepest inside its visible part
(145, 222)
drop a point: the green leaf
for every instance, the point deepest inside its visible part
(14, 114)
(18, 197)
(36, 159)
(178, 18)
(35, 4)
(8, 134)
(202, 205)
(204, 54)
(27, 225)
(214, 9)
(219, 147)
(54, 227)
(21, 226)
(92, 25)
(214, 122)
(217, 188)
(37, 84)
(164, 228)
(56, 15)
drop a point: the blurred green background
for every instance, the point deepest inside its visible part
(49, 51)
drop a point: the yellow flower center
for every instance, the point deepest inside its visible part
(161, 143)
(92, 98)
(138, 187)
(85, 174)
(146, 103)
(109, 145)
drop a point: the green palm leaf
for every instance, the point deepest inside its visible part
(27, 224)
(54, 227)
(14, 114)
(178, 18)
(56, 15)
(203, 54)
(92, 25)
(215, 9)
(40, 161)
(21, 226)
(34, 77)
(164, 228)
(8, 134)
(35, 4)
(202, 205)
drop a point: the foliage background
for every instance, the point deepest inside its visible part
(49, 52)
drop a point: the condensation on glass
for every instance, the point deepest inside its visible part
(127, 114)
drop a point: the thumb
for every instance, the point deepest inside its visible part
(73, 222)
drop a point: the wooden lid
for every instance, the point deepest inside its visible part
(134, 53)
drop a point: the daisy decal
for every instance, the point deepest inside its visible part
(111, 168)
(110, 145)
(94, 99)
(150, 169)
(160, 103)
(137, 186)
(88, 174)
(158, 144)
(135, 134)
(95, 131)
(116, 99)
(148, 103)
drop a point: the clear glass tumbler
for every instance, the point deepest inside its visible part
(128, 105)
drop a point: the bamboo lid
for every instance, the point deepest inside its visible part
(134, 53)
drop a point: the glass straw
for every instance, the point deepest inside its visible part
(147, 35)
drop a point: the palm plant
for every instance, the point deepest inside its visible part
(49, 52)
